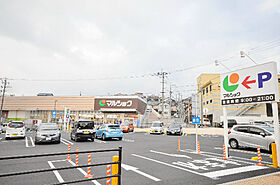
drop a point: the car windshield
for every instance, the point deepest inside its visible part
(268, 129)
(156, 125)
(174, 126)
(125, 124)
(48, 128)
(113, 126)
(15, 125)
(86, 125)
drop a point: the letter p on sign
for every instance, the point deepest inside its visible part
(263, 77)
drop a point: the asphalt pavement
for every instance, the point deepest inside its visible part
(147, 159)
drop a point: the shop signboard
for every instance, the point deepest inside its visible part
(256, 84)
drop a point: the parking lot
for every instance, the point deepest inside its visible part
(147, 159)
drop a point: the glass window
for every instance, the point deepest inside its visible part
(241, 129)
(255, 131)
(206, 89)
(210, 87)
(203, 91)
(210, 101)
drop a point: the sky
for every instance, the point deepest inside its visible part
(118, 46)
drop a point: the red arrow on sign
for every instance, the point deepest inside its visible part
(246, 82)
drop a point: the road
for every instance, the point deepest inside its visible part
(147, 159)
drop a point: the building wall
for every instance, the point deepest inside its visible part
(17, 114)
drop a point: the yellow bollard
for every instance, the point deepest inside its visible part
(115, 170)
(274, 156)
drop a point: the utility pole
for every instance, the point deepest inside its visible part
(163, 74)
(2, 102)
(170, 95)
(201, 106)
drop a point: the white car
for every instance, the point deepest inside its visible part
(157, 128)
(15, 129)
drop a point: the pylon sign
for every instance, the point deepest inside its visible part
(66, 115)
(250, 85)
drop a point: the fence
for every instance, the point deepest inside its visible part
(119, 150)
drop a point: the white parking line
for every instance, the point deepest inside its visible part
(33, 145)
(59, 178)
(66, 142)
(1, 138)
(99, 141)
(220, 155)
(231, 171)
(83, 172)
(170, 165)
(128, 140)
(26, 142)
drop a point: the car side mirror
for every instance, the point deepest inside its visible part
(262, 134)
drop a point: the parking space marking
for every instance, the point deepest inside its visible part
(231, 171)
(99, 141)
(59, 178)
(171, 155)
(66, 142)
(31, 140)
(1, 138)
(128, 140)
(248, 152)
(170, 165)
(132, 168)
(83, 172)
(237, 159)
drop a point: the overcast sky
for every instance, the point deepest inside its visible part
(115, 46)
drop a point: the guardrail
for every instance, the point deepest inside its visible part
(118, 175)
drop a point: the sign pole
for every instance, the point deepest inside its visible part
(276, 129)
(225, 129)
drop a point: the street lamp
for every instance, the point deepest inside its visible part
(243, 55)
(217, 63)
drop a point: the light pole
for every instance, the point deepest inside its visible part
(217, 63)
(243, 54)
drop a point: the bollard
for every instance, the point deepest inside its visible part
(198, 147)
(179, 145)
(274, 155)
(224, 150)
(259, 157)
(77, 156)
(89, 168)
(69, 148)
(115, 170)
(108, 180)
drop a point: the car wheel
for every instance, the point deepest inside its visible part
(120, 138)
(233, 143)
(7, 138)
(103, 137)
(58, 141)
(75, 139)
(71, 137)
(92, 139)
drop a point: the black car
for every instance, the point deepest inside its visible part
(174, 129)
(83, 130)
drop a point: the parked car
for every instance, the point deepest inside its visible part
(107, 131)
(15, 129)
(157, 128)
(206, 122)
(127, 127)
(251, 136)
(231, 123)
(83, 130)
(174, 129)
(47, 133)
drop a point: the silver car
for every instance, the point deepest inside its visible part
(251, 136)
(47, 133)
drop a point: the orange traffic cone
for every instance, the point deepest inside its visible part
(224, 150)
(198, 147)
(89, 168)
(259, 157)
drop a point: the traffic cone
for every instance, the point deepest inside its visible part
(179, 145)
(198, 147)
(89, 168)
(259, 157)
(77, 156)
(224, 150)
(108, 180)
(69, 148)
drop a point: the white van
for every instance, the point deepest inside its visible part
(15, 129)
